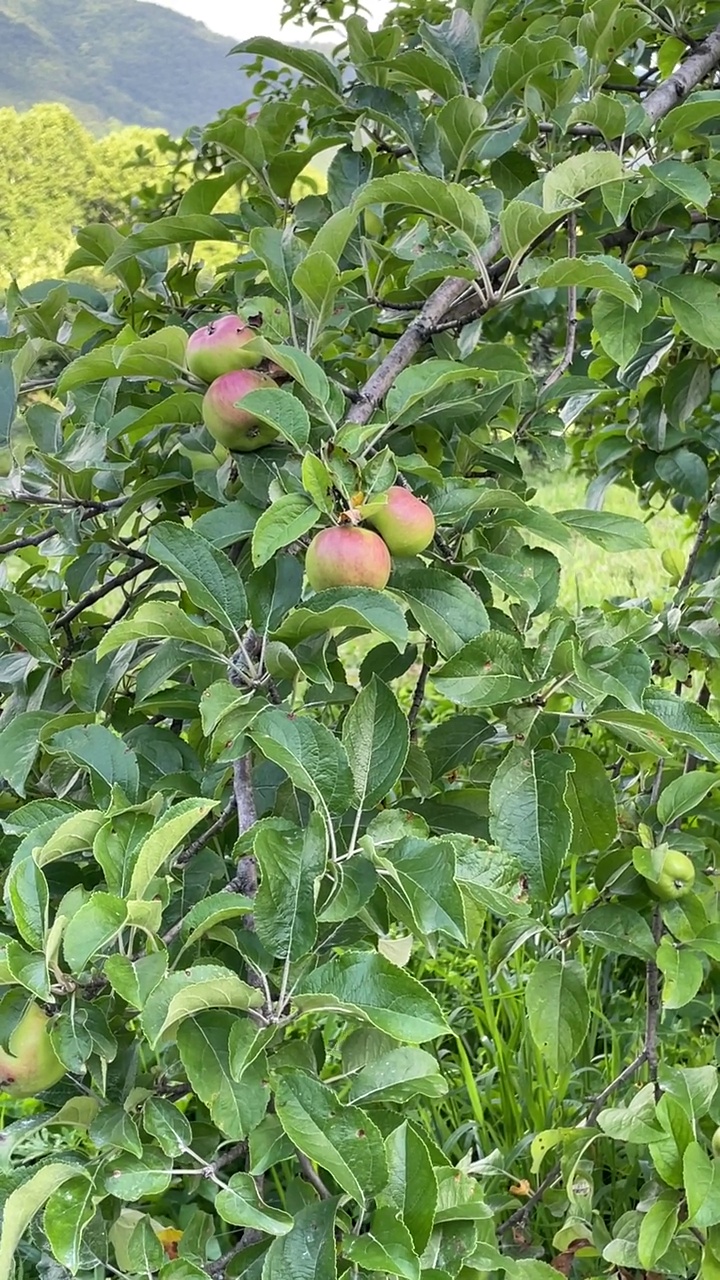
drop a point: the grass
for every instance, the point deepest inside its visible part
(590, 574)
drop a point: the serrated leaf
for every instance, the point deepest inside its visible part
(529, 817)
(345, 607)
(366, 986)
(447, 201)
(314, 759)
(286, 520)
(558, 1010)
(289, 862)
(209, 577)
(340, 1138)
(169, 831)
(376, 739)
(22, 1205)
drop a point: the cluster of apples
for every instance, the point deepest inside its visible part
(222, 354)
(350, 556)
(219, 354)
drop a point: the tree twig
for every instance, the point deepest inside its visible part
(92, 597)
(572, 317)
(418, 696)
(33, 540)
(218, 825)
(311, 1175)
(652, 1015)
(697, 546)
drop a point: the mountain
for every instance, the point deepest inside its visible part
(116, 62)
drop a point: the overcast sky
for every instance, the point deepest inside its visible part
(244, 18)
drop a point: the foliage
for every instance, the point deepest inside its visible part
(115, 62)
(54, 176)
(345, 906)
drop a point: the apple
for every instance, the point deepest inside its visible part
(30, 1065)
(405, 522)
(676, 878)
(225, 418)
(716, 1143)
(347, 556)
(219, 347)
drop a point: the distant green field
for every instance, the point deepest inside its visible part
(591, 574)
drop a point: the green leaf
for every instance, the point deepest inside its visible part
(113, 1127)
(27, 891)
(19, 745)
(447, 201)
(686, 180)
(414, 385)
(412, 1185)
(159, 620)
(591, 801)
(444, 606)
(399, 1076)
(211, 911)
(135, 979)
(694, 302)
(521, 224)
(572, 178)
(167, 1125)
(24, 624)
(22, 1205)
(169, 831)
(694, 112)
(203, 1044)
(684, 795)
(593, 272)
(485, 672)
(686, 722)
(461, 122)
(69, 1210)
(419, 879)
(103, 754)
(286, 520)
(314, 759)
(129, 1177)
(364, 985)
(308, 1251)
(620, 327)
(376, 738)
(241, 1204)
(281, 410)
(341, 1139)
(290, 862)
(529, 817)
(345, 607)
(609, 531)
(701, 1179)
(656, 1232)
(386, 1246)
(619, 930)
(683, 973)
(177, 230)
(558, 1010)
(311, 64)
(210, 579)
(184, 994)
(317, 280)
(685, 471)
(92, 928)
(529, 61)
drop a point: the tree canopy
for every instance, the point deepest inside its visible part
(375, 926)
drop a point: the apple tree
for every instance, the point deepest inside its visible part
(360, 911)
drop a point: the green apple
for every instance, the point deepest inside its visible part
(676, 878)
(30, 1064)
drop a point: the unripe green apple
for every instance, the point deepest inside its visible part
(405, 522)
(31, 1064)
(219, 347)
(225, 417)
(676, 878)
(716, 1143)
(346, 556)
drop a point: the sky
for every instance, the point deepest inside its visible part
(244, 18)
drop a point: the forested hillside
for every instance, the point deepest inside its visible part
(116, 61)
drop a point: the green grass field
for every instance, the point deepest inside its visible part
(591, 574)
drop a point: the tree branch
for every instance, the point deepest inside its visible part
(92, 597)
(418, 696)
(218, 825)
(652, 1017)
(311, 1175)
(572, 319)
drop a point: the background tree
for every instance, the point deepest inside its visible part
(376, 927)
